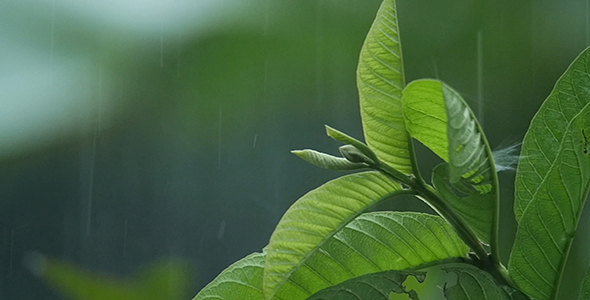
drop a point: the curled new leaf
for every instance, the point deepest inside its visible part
(327, 161)
(354, 155)
(343, 137)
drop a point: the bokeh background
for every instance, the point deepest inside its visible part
(139, 130)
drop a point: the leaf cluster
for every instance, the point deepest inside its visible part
(330, 245)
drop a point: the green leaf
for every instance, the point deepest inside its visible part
(241, 280)
(162, 280)
(552, 183)
(473, 283)
(371, 243)
(585, 290)
(327, 161)
(376, 286)
(474, 209)
(425, 114)
(343, 137)
(317, 216)
(380, 80)
(440, 119)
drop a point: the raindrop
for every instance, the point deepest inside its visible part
(179, 54)
(480, 100)
(99, 104)
(91, 183)
(125, 240)
(221, 231)
(434, 66)
(265, 79)
(219, 142)
(254, 144)
(51, 47)
(161, 44)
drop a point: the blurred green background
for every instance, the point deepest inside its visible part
(139, 130)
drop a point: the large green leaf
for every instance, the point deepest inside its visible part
(161, 280)
(241, 280)
(380, 80)
(473, 283)
(371, 243)
(376, 286)
(440, 119)
(552, 183)
(317, 216)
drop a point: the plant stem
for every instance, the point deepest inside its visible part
(429, 195)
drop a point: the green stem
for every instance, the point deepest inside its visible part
(429, 195)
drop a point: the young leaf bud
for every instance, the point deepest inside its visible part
(352, 154)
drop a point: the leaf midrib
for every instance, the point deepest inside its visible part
(287, 275)
(561, 145)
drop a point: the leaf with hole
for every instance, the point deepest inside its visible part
(376, 286)
(473, 283)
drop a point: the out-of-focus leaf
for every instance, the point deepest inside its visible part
(473, 283)
(376, 286)
(327, 161)
(439, 118)
(316, 217)
(241, 280)
(162, 280)
(380, 80)
(552, 183)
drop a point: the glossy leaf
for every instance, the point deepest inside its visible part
(241, 280)
(371, 243)
(376, 286)
(317, 216)
(472, 283)
(552, 183)
(439, 118)
(162, 280)
(380, 80)
(327, 161)
(425, 115)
